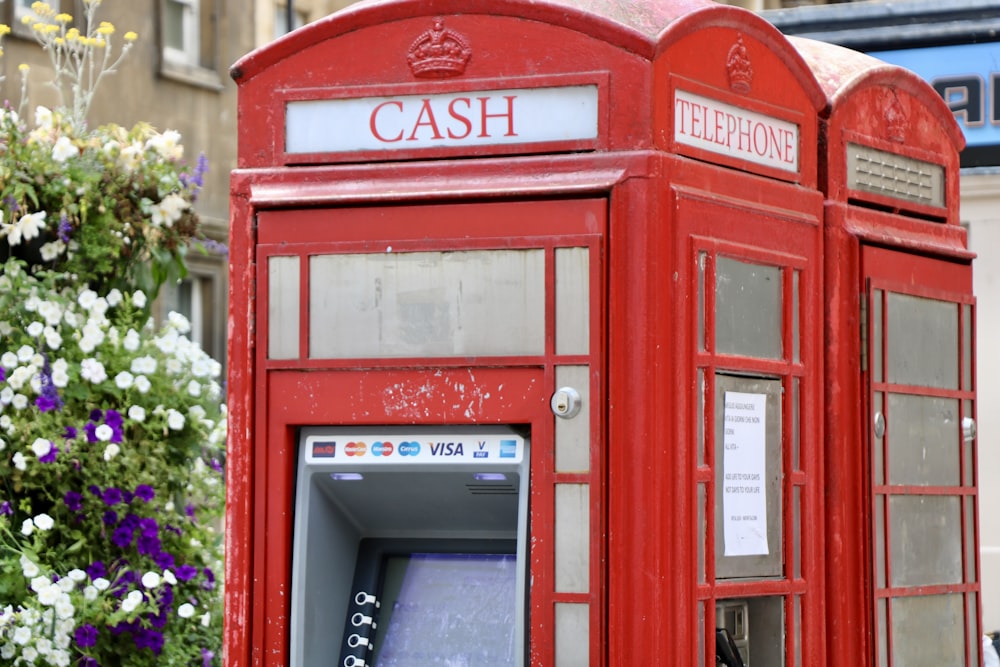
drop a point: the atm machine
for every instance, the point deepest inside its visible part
(409, 547)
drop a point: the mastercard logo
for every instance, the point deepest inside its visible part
(382, 449)
(355, 449)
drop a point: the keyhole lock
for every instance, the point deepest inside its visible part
(566, 402)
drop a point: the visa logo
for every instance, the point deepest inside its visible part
(447, 449)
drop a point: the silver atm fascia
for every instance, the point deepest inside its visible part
(357, 485)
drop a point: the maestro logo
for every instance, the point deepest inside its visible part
(409, 448)
(324, 449)
(355, 449)
(383, 448)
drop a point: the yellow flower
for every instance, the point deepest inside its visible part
(4, 29)
(72, 34)
(63, 18)
(1, 51)
(42, 8)
(51, 28)
(23, 67)
(26, 19)
(106, 28)
(59, 41)
(100, 43)
(130, 36)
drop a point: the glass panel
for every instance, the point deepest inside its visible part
(572, 300)
(880, 557)
(427, 304)
(883, 638)
(796, 425)
(173, 24)
(798, 631)
(747, 309)
(797, 530)
(878, 444)
(967, 329)
(875, 326)
(925, 535)
(282, 307)
(766, 620)
(572, 538)
(796, 343)
(572, 634)
(922, 341)
(970, 539)
(702, 259)
(975, 646)
(969, 443)
(923, 440)
(573, 435)
(702, 531)
(700, 421)
(702, 635)
(937, 616)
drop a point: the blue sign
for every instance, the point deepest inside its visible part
(967, 76)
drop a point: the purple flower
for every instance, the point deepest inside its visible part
(122, 537)
(50, 457)
(48, 397)
(65, 228)
(145, 492)
(186, 572)
(148, 545)
(73, 501)
(5, 508)
(207, 657)
(113, 418)
(95, 415)
(69, 433)
(189, 510)
(209, 579)
(91, 430)
(85, 635)
(111, 496)
(109, 518)
(149, 638)
(87, 662)
(3, 375)
(97, 569)
(164, 560)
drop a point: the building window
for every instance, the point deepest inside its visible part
(200, 298)
(189, 42)
(281, 19)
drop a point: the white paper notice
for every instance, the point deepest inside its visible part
(744, 497)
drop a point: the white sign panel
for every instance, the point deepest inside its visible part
(469, 118)
(744, 496)
(403, 449)
(715, 126)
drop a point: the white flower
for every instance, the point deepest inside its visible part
(35, 329)
(43, 117)
(124, 380)
(178, 321)
(52, 250)
(139, 299)
(28, 567)
(20, 462)
(60, 374)
(77, 575)
(112, 450)
(44, 522)
(64, 149)
(137, 413)
(101, 584)
(175, 420)
(114, 297)
(131, 601)
(39, 583)
(87, 299)
(27, 527)
(186, 610)
(206, 619)
(132, 340)
(49, 595)
(64, 606)
(27, 227)
(29, 653)
(143, 365)
(168, 144)
(168, 211)
(143, 384)
(67, 585)
(6, 396)
(25, 353)
(41, 447)
(20, 401)
(194, 388)
(93, 370)
(8, 359)
(7, 651)
(169, 577)
(51, 312)
(52, 338)
(22, 635)
(151, 580)
(90, 593)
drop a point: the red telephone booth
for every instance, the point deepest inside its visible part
(901, 459)
(526, 323)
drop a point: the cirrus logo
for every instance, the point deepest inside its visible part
(409, 448)
(355, 449)
(382, 448)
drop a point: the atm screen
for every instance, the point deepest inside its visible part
(452, 607)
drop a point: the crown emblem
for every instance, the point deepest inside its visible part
(739, 68)
(438, 53)
(895, 121)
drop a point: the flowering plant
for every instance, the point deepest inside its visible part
(110, 480)
(109, 203)
(111, 430)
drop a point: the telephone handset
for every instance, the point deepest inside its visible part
(726, 652)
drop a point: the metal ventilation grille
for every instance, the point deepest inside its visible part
(492, 489)
(891, 175)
